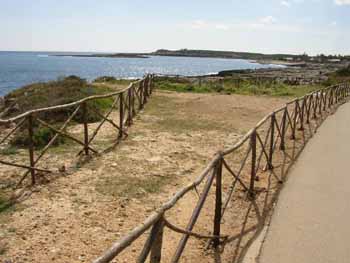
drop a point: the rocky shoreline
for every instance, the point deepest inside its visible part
(307, 74)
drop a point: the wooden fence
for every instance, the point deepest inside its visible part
(260, 146)
(126, 104)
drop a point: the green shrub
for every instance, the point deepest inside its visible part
(111, 80)
(217, 87)
(41, 137)
(189, 87)
(5, 203)
(344, 72)
(105, 79)
(62, 91)
(234, 86)
(9, 150)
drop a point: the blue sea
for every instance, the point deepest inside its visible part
(21, 68)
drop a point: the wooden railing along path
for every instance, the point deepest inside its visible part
(126, 102)
(261, 147)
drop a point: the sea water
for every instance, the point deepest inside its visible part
(22, 68)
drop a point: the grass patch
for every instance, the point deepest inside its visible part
(10, 150)
(344, 72)
(230, 86)
(3, 250)
(185, 124)
(41, 136)
(61, 91)
(340, 76)
(5, 204)
(168, 118)
(112, 80)
(162, 106)
(12, 230)
(131, 186)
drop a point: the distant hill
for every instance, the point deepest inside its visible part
(220, 54)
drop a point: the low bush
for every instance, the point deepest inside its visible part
(105, 79)
(41, 137)
(231, 86)
(344, 72)
(62, 91)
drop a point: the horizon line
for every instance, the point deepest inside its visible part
(148, 52)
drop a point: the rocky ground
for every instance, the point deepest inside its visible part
(75, 217)
(304, 74)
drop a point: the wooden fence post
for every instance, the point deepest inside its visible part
(251, 193)
(141, 87)
(314, 115)
(133, 90)
(153, 244)
(301, 128)
(324, 100)
(156, 250)
(272, 139)
(145, 87)
(294, 120)
(336, 94)
(218, 203)
(129, 107)
(31, 147)
(308, 108)
(86, 129)
(151, 84)
(283, 130)
(346, 89)
(340, 92)
(331, 97)
(121, 115)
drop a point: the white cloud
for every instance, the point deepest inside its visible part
(222, 27)
(268, 20)
(268, 23)
(334, 23)
(199, 24)
(285, 3)
(202, 24)
(342, 2)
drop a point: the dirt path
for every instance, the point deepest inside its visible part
(310, 222)
(74, 218)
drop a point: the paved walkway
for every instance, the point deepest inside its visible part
(311, 222)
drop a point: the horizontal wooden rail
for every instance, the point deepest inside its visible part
(123, 103)
(68, 105)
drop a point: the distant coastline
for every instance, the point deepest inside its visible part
(289, 60)
(116, 55)
(257, 57)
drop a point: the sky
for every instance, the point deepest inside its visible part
(267, 26)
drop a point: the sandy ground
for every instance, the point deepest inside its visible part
(75, 217)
